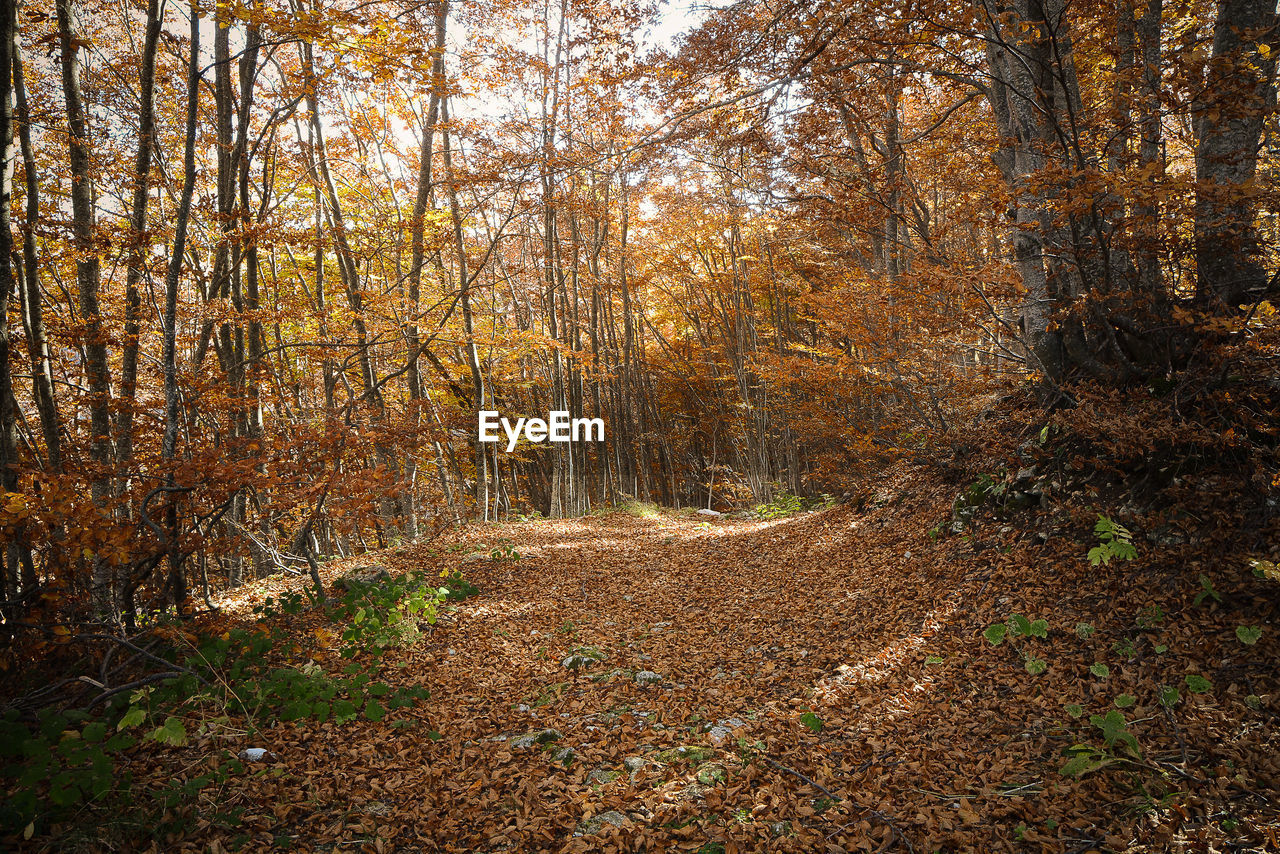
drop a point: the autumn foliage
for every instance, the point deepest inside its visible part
(263, 262)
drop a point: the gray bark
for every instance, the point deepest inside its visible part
(32, 300)
(87, 266)
(1240, 90)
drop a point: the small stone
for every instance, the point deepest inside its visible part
(718, 734)
(603, 776)
(633, 763)
(542, 736)
(597, 823)
(647, 677)
(583, 656)
(564, 755)
(254, 754)
(705, 512)
(685, 753)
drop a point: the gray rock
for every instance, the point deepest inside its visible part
(530, 739)
(564, 755)
(583, 656)
(363, 576)
(603, 776)
(1167, 535)
(597, 823)
(705, 512)
(647, 677)
(633, 763)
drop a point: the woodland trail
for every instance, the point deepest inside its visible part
(825, 675)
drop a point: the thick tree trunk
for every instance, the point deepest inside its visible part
(1240, 90)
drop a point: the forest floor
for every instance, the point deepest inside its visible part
(815, 683)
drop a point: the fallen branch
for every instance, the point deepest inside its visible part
(129, 686)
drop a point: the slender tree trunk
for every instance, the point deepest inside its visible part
(87, 268)
(468, 323)
(139, 241)
(32, 300)
(8, 406)
(169, 445)
(417, 260)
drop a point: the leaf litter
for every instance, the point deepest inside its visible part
(819, 682)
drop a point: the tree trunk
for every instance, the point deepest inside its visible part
(169, 445)
(87, 271)
(32, 300)
(1240, 90)
(139, 244)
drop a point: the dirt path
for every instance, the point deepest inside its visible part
(817, 683)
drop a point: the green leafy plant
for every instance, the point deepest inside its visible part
(1124, 648)
(1149, 617)
(1020, 626)
(783, 504)
(1248, 635)
(1197, 684)
(1124, 701)
(384, 614)
(812, 721)
(456, 587)
(1084, 630)
(1207, 591)
(504, 551)
(1100, 670)
(1115, 542)
(1169, 696)
(1117, 745)
(1017, 626)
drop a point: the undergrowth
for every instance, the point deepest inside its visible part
(65, 763)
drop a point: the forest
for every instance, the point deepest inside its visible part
(936, 353)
